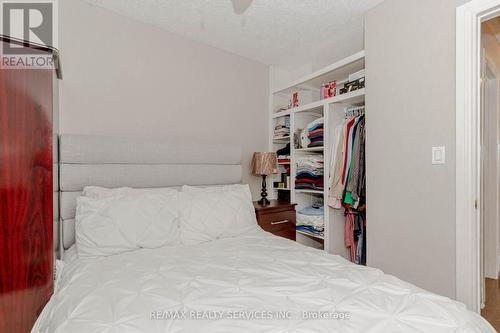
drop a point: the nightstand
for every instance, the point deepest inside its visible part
(277, 218)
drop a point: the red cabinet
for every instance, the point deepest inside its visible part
(27, 159)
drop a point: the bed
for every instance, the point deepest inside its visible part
(251, 282)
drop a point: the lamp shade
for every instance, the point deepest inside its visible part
(264, 164)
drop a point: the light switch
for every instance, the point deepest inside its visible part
(438, 155)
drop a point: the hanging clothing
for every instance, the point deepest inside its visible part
(355, 236)
(355, 161)
(336, 185)
(347, 183)
(350, 145)
(356, 183)
(336, 156)
(349, 235)
(346, 156)
(348, 150)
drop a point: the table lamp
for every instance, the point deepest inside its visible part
(264, 164)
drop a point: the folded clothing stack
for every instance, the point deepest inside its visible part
(285, 151)
(311, 220)
(284, 159)
(281, 131)
(315, 133)
(310, 173)
(282, 128)
(284, 154)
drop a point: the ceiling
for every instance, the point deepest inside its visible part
(278, 32)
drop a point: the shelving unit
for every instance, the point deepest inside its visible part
(281, 118)
(333, 111)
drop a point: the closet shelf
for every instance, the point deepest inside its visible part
(354, 97)
(336, 71)
(309, 191)
(281, 189)
(311, 107)
(281, 114)
(310, 234)
(313, 149)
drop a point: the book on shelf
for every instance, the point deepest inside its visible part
(284, 183)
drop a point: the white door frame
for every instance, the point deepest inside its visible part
(468, 92)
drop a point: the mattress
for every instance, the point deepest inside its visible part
(255, 283)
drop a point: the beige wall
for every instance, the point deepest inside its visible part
(126, 78)
(410, 60)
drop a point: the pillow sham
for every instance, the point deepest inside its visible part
(209, 215)
(98, 192)
(126, 222)
(244, 188)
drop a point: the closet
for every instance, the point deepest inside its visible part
(308, 117)
(28, 188)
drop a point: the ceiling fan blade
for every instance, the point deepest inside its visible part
(240, 6)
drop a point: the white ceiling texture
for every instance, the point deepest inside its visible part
(274, 32)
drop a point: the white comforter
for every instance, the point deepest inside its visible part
(214, 286)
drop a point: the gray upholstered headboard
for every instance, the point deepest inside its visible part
(117, 162)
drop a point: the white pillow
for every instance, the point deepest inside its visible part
(210, 215)
(98, 192)
(219, 188)
(126, 222)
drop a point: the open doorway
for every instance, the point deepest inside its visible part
(490, 170)
(476, 158)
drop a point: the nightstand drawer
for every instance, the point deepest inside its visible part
(275, 222)
(287, 233)
(277, 218)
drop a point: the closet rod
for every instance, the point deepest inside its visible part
(355, 111)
